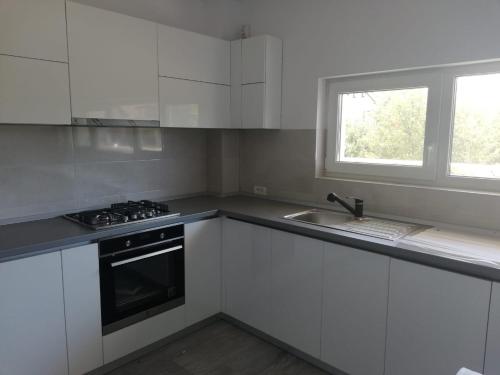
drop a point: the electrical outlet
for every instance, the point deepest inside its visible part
(260, 190)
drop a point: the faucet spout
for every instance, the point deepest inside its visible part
(357, 210)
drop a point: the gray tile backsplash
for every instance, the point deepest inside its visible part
(284, 161)
(46, 170)
(52, 169)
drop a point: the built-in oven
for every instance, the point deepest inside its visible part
(141, 274)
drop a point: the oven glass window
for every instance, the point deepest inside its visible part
(146, 282)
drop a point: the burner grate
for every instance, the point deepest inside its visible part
(121, 213)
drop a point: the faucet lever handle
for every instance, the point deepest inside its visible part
(355, 199)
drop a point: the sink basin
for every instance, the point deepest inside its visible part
(320, 217)
(368, 226)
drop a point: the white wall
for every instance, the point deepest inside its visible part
(219, 18)
(333, 37)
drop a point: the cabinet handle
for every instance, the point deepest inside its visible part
(145, 256)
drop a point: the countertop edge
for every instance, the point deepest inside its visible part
(362, 243)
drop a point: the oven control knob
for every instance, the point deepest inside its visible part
(162, 236)
(128, 243)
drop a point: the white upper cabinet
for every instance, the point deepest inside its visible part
(203, 269)
(492, 364)
(113, 65)
(253, 105)
(33, 28)
(437, 321)
(355, 289)
(254, 58)
(33, 91)
(32, 323)
(236, 91)
(296, 285)
(187, 55)
(189, 104)
(256, 75)
(83, 308)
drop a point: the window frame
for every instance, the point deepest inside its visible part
(384, 82)
(444, 177)
(435, 172)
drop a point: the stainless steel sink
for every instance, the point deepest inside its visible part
(368, 226)
(320, 217)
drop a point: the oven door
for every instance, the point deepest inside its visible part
(139, 283)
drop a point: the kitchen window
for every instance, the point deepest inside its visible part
(475, 150)
(438, 127)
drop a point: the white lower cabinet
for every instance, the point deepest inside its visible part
(492, 363)
(137, 336)
(437, 321)
(83, 308)
(32, 323)
(203, 269)
(246, 254)
(354, 310)
(296, 285)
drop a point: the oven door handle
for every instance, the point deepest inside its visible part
(145, 256)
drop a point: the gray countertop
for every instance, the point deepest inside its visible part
(42, 236)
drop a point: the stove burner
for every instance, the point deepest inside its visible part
(121, 213)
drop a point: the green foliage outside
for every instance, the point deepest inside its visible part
(393, 128)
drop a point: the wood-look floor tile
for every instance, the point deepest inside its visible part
(219, 349)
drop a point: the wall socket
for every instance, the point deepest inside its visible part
(260, 190)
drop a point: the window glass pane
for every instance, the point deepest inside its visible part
(476, 129)
(383, 127)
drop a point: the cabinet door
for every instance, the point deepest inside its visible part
(32, 326)
(187, 104)
(492, 364)
(187, 55)
(113, 65)
(203, 269)
(437, 321)
(254, 59)
(296, 291)
(246, 252)
(236, 89)
(33, 91)
(252, 108)
(33, 28)
(355, 289)
(83, 308)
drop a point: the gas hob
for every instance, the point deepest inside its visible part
(119, 214)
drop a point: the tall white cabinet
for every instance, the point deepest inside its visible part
(355, 294)
(113, 65)
(296, 285)
(246, 252)
(256, 77)
(194, 79)
(203, 269)
(83, 308)
(437, 321)
(32, 322)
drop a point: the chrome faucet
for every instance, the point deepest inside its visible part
(357, 210)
